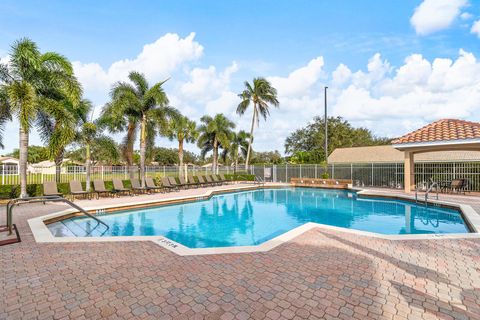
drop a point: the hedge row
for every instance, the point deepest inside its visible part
(35, 190)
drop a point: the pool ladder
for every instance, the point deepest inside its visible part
(430, 188)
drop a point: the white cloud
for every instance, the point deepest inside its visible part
(156, 60)
(435, 15)
(466, 16)
(299, 81)
(418, 91)
(476, 28)
(206, 83)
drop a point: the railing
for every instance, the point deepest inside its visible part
(15, 202)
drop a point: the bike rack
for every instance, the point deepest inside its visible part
(18, 201)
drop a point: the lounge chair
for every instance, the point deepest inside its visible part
(151, 185)
(99, 188)
(216, 179)
(173, 182)
(166, 184)
(222, 178)
(185, 183)
(202, 181)
(119, 188)
(209, 179)
(77, 190)
(137, 187)
(192, 181)
(50, 189)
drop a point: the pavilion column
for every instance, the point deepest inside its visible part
(408, 171)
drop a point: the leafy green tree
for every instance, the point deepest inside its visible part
(260, 95)
(134, 105)
(35, 154)
(306, 145)
(215, 133)
(35, 84)
(269, 157)
(183, 130)
(169, 156)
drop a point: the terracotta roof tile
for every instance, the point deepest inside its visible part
(442, 130)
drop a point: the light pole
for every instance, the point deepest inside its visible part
(326, 128)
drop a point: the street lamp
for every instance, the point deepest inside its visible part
(326, 128)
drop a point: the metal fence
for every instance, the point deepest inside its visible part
(365, 174)
(388, 175)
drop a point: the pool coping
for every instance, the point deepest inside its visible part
(42, 234)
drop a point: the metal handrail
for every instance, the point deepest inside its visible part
(434, 184)
(11, 204)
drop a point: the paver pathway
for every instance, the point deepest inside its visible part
(320, 274)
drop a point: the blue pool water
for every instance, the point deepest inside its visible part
(253, 217)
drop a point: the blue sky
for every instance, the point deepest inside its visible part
(384, 60)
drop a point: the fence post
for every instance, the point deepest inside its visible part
(315, 171)
(103, 172)
(351, 172)
(300, 171)
(3, 174)
(396, 182)
(286, 172)
(333, 170)
(372, 175)
(454, 171)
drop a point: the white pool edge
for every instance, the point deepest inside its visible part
(42, 234)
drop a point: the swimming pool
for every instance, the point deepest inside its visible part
(253, 217)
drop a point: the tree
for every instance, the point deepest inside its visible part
(261, 95)
(184, 130)
(89, 135)
(169, 156)
(35, 154)
(238, 144)
(215, 133)
(136, 105)
(268, 157)
(33, 84)
(306, 145)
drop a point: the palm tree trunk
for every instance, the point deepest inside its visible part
(180, 156)
(128, 151)
(58, 165)
(22, 165)
(87, 167)
(143, 148)
(215, 155)
(251, 135)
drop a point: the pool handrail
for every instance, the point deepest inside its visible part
(17, 201)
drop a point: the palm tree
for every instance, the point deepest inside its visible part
(238, 143)
(89, 135)
(261, 95)
(58, 130)
(33, 84)
(138, 105)
(215, 133)
(184, 130)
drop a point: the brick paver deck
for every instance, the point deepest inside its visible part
(320, 274)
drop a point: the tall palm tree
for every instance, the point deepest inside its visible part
(34, 83)
(238, 144)
(184, 130)
(215, 133)
(89, 135)
(260, 95)
(139, 105)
